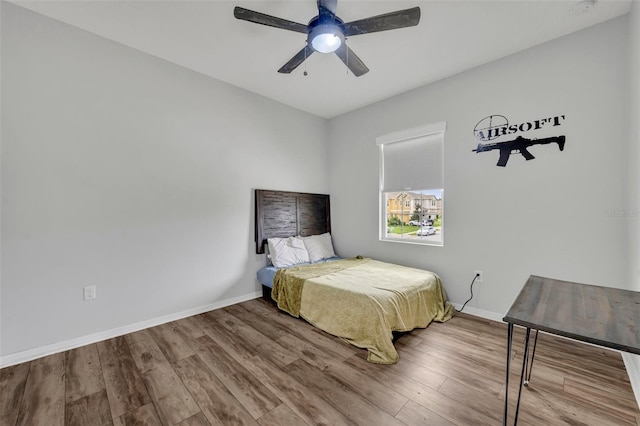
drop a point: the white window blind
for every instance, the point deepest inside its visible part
(412, 159)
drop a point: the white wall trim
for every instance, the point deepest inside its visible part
(415, 132)
(31, 354)
(632, 363)
(480, 313)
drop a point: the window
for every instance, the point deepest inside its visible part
(412, 185)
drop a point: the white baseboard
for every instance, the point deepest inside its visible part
(632, 363)
(480, 313)
(31, 354)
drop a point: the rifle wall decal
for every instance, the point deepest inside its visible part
(518, 145)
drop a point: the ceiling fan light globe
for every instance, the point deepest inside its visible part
(326, 43)
(326, 38)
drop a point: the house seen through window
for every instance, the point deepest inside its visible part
(414, 215)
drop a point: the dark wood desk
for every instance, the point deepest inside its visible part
(603, 316)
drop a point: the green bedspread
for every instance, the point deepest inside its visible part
(362, 301)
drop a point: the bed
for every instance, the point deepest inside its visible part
(361, 300)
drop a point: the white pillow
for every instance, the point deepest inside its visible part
(287, 251)
(319, 247)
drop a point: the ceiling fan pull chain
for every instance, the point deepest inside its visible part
(305, 59)
(345, 43)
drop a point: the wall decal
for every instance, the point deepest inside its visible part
(485, 129)
(519, 144)
(496, 125)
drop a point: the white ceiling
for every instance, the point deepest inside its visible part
(452, 36)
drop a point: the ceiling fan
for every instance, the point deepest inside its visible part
(326, 33)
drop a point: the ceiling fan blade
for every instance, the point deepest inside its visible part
(271, 21)
(330, 5)
(296, 60)
(351, 60)
(388, 21)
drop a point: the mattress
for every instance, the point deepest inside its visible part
(268, 273)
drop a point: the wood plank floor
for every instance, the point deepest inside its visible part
(250, 364)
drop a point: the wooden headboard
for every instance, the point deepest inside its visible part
(285, 214)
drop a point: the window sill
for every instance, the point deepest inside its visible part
(412, 241)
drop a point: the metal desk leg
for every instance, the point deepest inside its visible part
(530, 365)
(506, 392)
(522, 374)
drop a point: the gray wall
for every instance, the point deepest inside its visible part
(129, 173)
(633, 196)
(546, 216)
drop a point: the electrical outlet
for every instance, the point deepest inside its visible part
(90, 292)
(479, 276)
